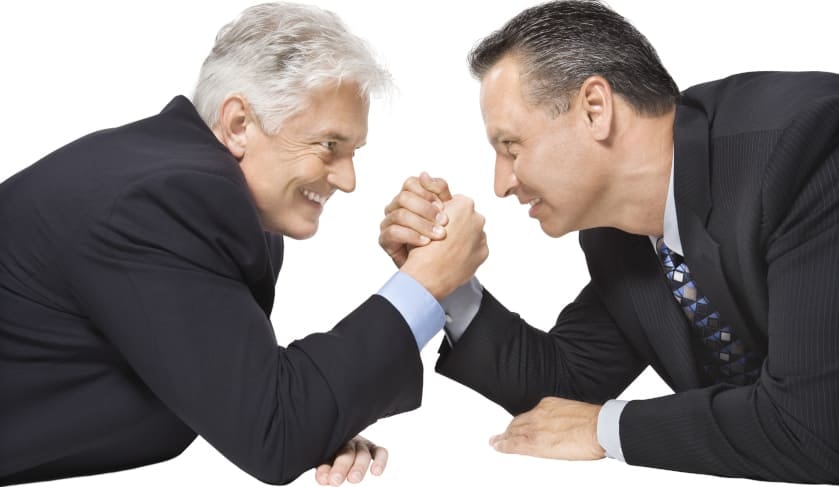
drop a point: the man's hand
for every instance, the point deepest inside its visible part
(555, 428)
(442, 266)
(351, 463)
(415, 217)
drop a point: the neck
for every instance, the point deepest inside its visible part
(644, 154)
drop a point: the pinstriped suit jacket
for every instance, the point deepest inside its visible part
(757, 196)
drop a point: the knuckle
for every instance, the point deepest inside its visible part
(401, 215)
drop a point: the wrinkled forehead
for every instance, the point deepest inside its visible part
(335, 112)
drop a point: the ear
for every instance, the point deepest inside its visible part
(596, 103)
(232, 126)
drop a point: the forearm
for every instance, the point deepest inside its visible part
(325, 395)
(516, 365)
(732, 432)
(488, 358)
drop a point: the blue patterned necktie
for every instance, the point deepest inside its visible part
(722, 357)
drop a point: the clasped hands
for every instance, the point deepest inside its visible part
(438, 239)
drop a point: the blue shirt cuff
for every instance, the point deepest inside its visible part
(421, 311)
(608, 428)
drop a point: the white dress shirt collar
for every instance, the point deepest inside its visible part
(671, 222)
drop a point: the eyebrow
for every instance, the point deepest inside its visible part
(332, 135)
(498, 135)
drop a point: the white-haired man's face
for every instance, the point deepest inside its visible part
(292, 174)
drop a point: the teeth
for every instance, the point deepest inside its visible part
(535, 202)
(312, 196)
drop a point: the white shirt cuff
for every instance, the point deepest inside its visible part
(461, 306)
(608, 428)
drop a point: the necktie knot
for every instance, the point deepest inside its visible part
(668, 257)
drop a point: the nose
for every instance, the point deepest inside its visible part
(505, 178)
(342, 175)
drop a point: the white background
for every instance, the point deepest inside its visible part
(69, 68)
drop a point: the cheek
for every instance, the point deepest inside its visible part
(283, 180)
(304, 170)
(533, 170)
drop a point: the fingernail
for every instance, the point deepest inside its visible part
(377, 470)
(424, 240)
(336, 479)
(438, 230)
(438, 205)
(355, 477)
(441, 218)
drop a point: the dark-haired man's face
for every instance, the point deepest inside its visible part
(546, 162)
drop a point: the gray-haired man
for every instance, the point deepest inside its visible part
(137, 271)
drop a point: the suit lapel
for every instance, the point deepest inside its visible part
(693, 207)
(628, 277)
(659, 315)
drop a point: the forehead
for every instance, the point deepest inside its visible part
(337, 110)
(502, 102)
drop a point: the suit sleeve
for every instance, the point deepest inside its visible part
(785, 427)
(583, 357)
(166, 276)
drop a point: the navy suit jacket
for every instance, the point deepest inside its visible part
(756, 185)
(136, 285)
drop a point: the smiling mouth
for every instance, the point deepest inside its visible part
(534, 206)
(314, 197)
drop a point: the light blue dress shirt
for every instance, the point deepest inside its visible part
(462, 306)
(421, 311)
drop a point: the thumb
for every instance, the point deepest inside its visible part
(438, 186)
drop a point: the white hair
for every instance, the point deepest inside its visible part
(273, 54)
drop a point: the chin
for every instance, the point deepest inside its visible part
(552, 231)
(302, 234)
(296, 231)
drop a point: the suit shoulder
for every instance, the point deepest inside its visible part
(759, 101)
(106, 163)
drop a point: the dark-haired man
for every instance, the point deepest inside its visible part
(708, 220)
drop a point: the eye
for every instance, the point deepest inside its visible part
(329, 145)
(508, 147)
